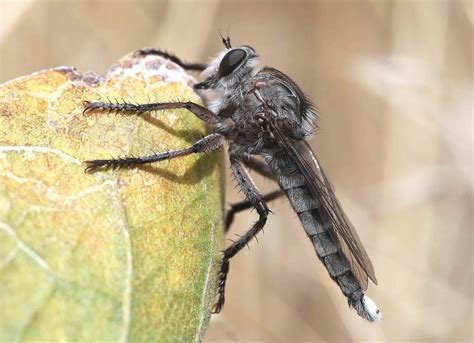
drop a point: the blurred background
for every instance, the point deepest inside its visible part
(393, 81)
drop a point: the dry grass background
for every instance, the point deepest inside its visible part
(393, 82)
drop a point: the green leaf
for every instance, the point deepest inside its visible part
(128, 255)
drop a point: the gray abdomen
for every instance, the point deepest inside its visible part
(316, 227)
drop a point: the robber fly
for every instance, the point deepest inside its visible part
(267, 120)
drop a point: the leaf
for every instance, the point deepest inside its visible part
(128, 255)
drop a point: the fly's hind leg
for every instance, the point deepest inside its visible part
(256, 164)
(211, 142)
(258, 202)
(252, 162)
(245, 205)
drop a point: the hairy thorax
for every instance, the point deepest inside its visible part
(239, 110)
(244, 104)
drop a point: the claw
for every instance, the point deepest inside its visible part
(92, 166)
(87, 108)
(91, 106)
(216, 308)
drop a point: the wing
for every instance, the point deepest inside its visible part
(341, 228)
(288, 110)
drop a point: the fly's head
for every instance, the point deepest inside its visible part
(230, 68)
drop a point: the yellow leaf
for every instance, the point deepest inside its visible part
(129, 255)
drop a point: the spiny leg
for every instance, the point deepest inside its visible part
(128, 108)
(245, 205)
(261, 168)
(211, 142)
(255, 197)
(173, 58)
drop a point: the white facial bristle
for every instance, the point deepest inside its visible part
(371, 308)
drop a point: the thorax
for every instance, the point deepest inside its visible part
(239, 109)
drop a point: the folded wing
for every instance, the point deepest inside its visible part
(341, 228)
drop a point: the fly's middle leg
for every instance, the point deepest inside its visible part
(208, 143)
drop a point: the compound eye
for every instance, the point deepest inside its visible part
(231, 61)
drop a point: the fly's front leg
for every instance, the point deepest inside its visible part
(173, 58)
(128, 108)
(211, 142)
(256, 199)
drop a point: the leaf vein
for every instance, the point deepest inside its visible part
(127, 294)
(25, 248)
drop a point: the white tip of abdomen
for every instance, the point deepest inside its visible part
(373, 313)
(365, 307)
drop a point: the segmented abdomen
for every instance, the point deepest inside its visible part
(317, 229)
